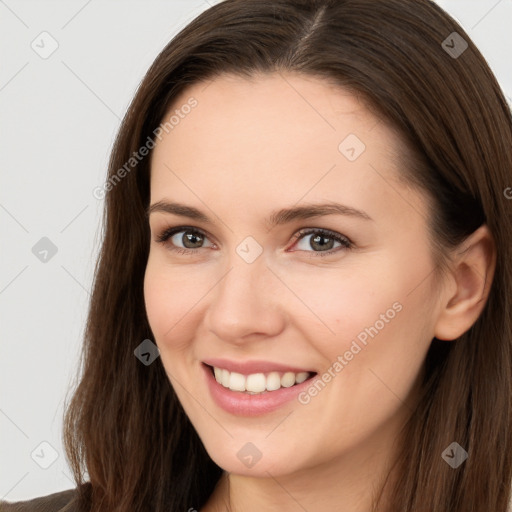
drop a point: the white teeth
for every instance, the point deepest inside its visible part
(288, 380)
(273, 381)
(236, 381)
(301, 377)
(258, 382)
(224, 379)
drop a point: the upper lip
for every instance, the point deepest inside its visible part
(249, 367)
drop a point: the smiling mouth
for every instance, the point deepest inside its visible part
(258, 383)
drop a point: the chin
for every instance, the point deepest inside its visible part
(253, 459)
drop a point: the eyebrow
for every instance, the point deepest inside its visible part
(278, 217)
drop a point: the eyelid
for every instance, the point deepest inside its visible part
(167, 233)
(327, 232)
(345, 242)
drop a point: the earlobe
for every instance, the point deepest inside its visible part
(473, 269)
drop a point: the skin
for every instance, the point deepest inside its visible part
(254, 146)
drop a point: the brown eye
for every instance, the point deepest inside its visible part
(322, 242)
(191, 239)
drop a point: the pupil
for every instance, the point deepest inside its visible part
(192, 238)
(322, 238)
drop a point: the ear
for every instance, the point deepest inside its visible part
(472, 272)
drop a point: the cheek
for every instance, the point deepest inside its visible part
(377, 315)
(333, 305)
(168, 299)
(372, 364)
(156, 299)
(384, 334)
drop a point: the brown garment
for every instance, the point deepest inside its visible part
(57, 502)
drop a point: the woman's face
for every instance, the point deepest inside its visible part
(249, 291)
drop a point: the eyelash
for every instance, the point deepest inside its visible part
(345, 242)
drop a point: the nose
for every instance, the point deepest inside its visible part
(247, 304)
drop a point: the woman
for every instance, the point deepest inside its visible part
(306, 242)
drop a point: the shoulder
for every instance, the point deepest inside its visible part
(57, 502)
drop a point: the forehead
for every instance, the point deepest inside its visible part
(276, 138)
(264, 103)
(270, 119)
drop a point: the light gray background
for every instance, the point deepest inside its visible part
(59, 116)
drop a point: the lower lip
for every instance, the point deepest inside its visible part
(243, 404)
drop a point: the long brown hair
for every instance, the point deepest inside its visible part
(125, 425)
